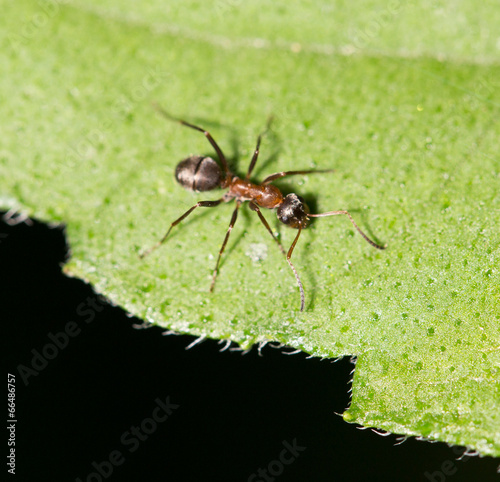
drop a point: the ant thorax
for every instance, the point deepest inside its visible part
(266, 196)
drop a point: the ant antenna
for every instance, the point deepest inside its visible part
(334, 213)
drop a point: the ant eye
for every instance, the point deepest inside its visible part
(293, 211)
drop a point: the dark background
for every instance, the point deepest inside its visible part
(234, 410)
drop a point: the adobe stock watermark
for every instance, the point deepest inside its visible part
(88, 145)
(275, 468)
(59, 341)
(131, 441)
(361, 38)
(483, 88)
(448, 467)
(223, 6)
(28, 31)
(15, 216)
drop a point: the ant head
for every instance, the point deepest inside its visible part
(293, 211)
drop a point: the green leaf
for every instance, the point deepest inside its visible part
(401, 100)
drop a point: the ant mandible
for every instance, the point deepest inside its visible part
(198, 173)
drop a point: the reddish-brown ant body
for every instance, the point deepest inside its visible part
(198, 173)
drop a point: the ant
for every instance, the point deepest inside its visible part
(199, 173)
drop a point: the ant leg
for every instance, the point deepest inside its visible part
(203, 204)
(257, 149)
(214, 144)
(254, 158)
(288, 255)
(278, 175)
(231, 225)
(255, 208)
(334, 213)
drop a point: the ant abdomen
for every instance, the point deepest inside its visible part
(198, 173)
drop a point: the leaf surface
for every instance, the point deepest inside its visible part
(402, 101)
